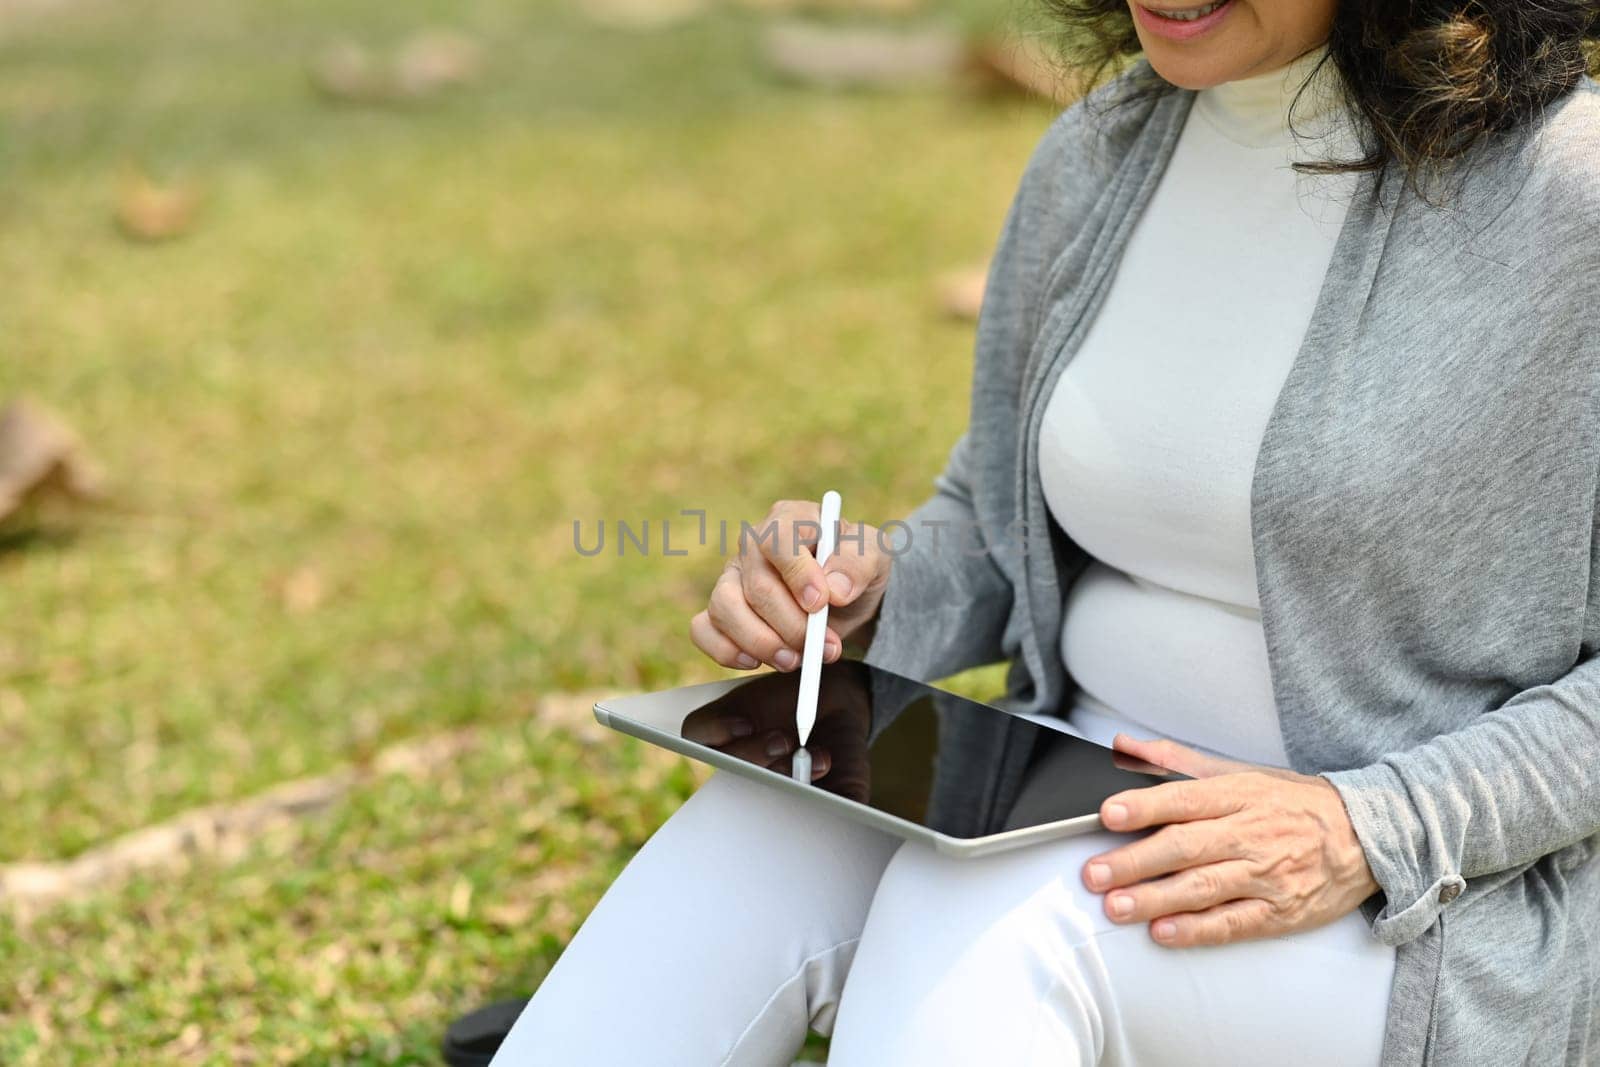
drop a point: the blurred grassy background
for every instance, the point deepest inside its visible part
(348, 420)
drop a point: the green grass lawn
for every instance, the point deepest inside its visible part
(399, 353)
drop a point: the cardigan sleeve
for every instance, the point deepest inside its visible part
(1522, 782)
(946, 604)
(1517, 784)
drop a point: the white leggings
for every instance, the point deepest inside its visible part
(732, 931)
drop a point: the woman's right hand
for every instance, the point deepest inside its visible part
(758, 608)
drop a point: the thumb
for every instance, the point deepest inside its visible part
(854, 565)
(1173, 756)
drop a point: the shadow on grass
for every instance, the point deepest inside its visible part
(417, 1042)
(16, 539)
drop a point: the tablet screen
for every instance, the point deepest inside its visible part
(953, 765)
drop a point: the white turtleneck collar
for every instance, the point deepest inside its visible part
(1258, 111)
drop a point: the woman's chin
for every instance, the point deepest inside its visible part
(1192, 68)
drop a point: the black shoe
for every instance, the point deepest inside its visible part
(473, 1039)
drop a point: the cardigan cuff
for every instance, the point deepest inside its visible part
(1416, 886)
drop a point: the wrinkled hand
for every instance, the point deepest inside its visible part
(758, 608)
(1242, 851)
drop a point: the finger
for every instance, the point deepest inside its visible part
(714, 643)
(1173, 848)
(786, 542)
(1237, 920)
(1179, 757)
(1194, 889)
(739, 623)
(856, 563)
(769, 598)
(1170, 802)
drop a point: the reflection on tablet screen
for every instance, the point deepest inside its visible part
(924, 755)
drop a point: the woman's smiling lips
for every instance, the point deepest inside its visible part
(1182, 23)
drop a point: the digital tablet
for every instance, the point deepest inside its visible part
(922, 763)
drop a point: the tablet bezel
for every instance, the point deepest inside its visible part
(612, 713)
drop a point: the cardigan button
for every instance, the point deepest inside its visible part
(1447, 893)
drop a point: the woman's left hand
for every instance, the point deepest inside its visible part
(1242, 851)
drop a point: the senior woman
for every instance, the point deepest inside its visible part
(1289, 373)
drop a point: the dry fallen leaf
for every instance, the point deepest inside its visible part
(148, 210)
(302, 590)
(509, 915)
(460, 899)
(41, 457)
(187, 1042)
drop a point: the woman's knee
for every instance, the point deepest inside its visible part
(997, 937)
(1033, 897)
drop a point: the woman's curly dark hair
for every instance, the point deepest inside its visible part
(1427, 79)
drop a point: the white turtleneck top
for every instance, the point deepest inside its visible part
(1150, 436)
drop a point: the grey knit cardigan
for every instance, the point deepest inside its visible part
(1424, 522)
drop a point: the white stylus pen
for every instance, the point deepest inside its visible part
(805, 708)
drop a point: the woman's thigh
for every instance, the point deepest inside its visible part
(726, 936)
(1009, 959)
